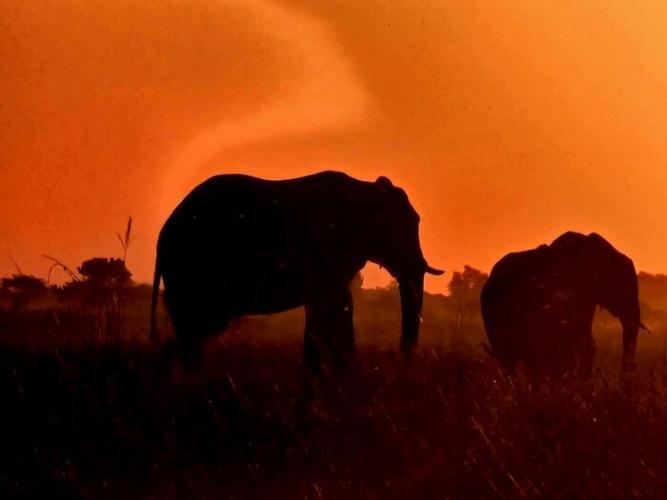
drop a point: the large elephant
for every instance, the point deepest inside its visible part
(239, 245)
(538, 305)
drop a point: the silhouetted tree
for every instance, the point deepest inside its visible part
(103, 275)
(22, 289)
(74, 291)
(102, 288)
(653, 290)
(464, 290)
(5, 299)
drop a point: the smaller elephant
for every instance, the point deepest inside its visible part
(538, 305)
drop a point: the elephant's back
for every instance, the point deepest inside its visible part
(518, 268)
(241, 206)
(226, 201)
(514, 284)
(235, 196)
(239, 221)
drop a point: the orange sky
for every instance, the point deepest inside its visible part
(506, 122)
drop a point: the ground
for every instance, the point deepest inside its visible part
(90, 420)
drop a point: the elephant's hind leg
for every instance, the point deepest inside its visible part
(329, 332)
(193, 323)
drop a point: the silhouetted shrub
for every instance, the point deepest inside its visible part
(22, 289)
(464, 290)
(99, 293)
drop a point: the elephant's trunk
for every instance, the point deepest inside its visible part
(631, 324)
(412, 295)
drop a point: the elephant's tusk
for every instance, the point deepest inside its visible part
(433, 270)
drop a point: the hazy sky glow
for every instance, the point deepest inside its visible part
(506, 122)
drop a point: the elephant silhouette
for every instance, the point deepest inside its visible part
(239, 245)
(538, 305)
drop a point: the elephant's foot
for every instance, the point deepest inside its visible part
(191, 355)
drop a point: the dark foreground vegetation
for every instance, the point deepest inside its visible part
(102, 421)
(92, 415)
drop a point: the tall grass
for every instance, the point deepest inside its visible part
(83, 418)
(102, 420)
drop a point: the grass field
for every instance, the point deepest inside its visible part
(101, 421)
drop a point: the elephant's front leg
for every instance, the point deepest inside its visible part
(586, 350)
(329, 333)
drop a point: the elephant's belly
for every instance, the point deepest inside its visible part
(268, 304)
(550, 328)
(264, 295)
(231, 292)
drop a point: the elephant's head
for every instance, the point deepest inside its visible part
(394, 244)
(613, 283)
(619, 294)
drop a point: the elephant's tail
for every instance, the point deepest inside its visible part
(154, 336)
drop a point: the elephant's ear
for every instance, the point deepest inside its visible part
(384, 183)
